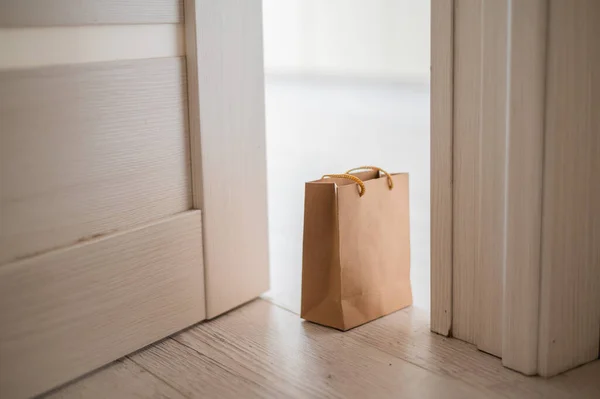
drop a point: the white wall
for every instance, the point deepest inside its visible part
(385, 39)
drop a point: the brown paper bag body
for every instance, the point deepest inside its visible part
(356, 252)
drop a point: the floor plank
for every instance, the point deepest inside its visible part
(196, 374)
(272, 347)
(406, 334)
(122, 379)
(263, 351)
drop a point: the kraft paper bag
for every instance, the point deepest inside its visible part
(356, 249)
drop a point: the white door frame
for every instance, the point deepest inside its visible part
(536, 303)
(442, 79)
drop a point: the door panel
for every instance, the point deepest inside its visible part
(70, 311)
(90, 149)
(100, 252)
(81, 12)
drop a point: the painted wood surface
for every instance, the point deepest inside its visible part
(527, 82)
(442, 76)
(90, 149)
(17, 13)
(490, 262)
(65, 45)
(526, 227)
(67, 312)
(229, 148)
(466, 166)
(570, 284)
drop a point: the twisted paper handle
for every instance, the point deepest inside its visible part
(375, 168)
(355, 179)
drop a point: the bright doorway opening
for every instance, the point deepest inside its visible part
(347, 84)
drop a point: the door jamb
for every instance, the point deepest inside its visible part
(442, 76)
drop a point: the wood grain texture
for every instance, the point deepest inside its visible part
(90, 149)
(261, 343)
(570, 288)
(405, 334)
(260, 350)
(191, 51)
(65, 45)
(442, 74)
(230, 180)
(16, 13)
(466, 166)
(527, 80)
(122, 379)
(67, 312)
(198, 375)
(490, 263)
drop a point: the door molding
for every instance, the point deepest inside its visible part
(536, 274)
(524, 177)
(442, 93)
(228, 146)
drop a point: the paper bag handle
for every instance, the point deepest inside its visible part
(376, 169)
(355, 179)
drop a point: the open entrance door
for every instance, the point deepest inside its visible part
(128, 139)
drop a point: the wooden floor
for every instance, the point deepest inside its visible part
(263, 351)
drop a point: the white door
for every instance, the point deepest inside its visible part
(120, 156)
